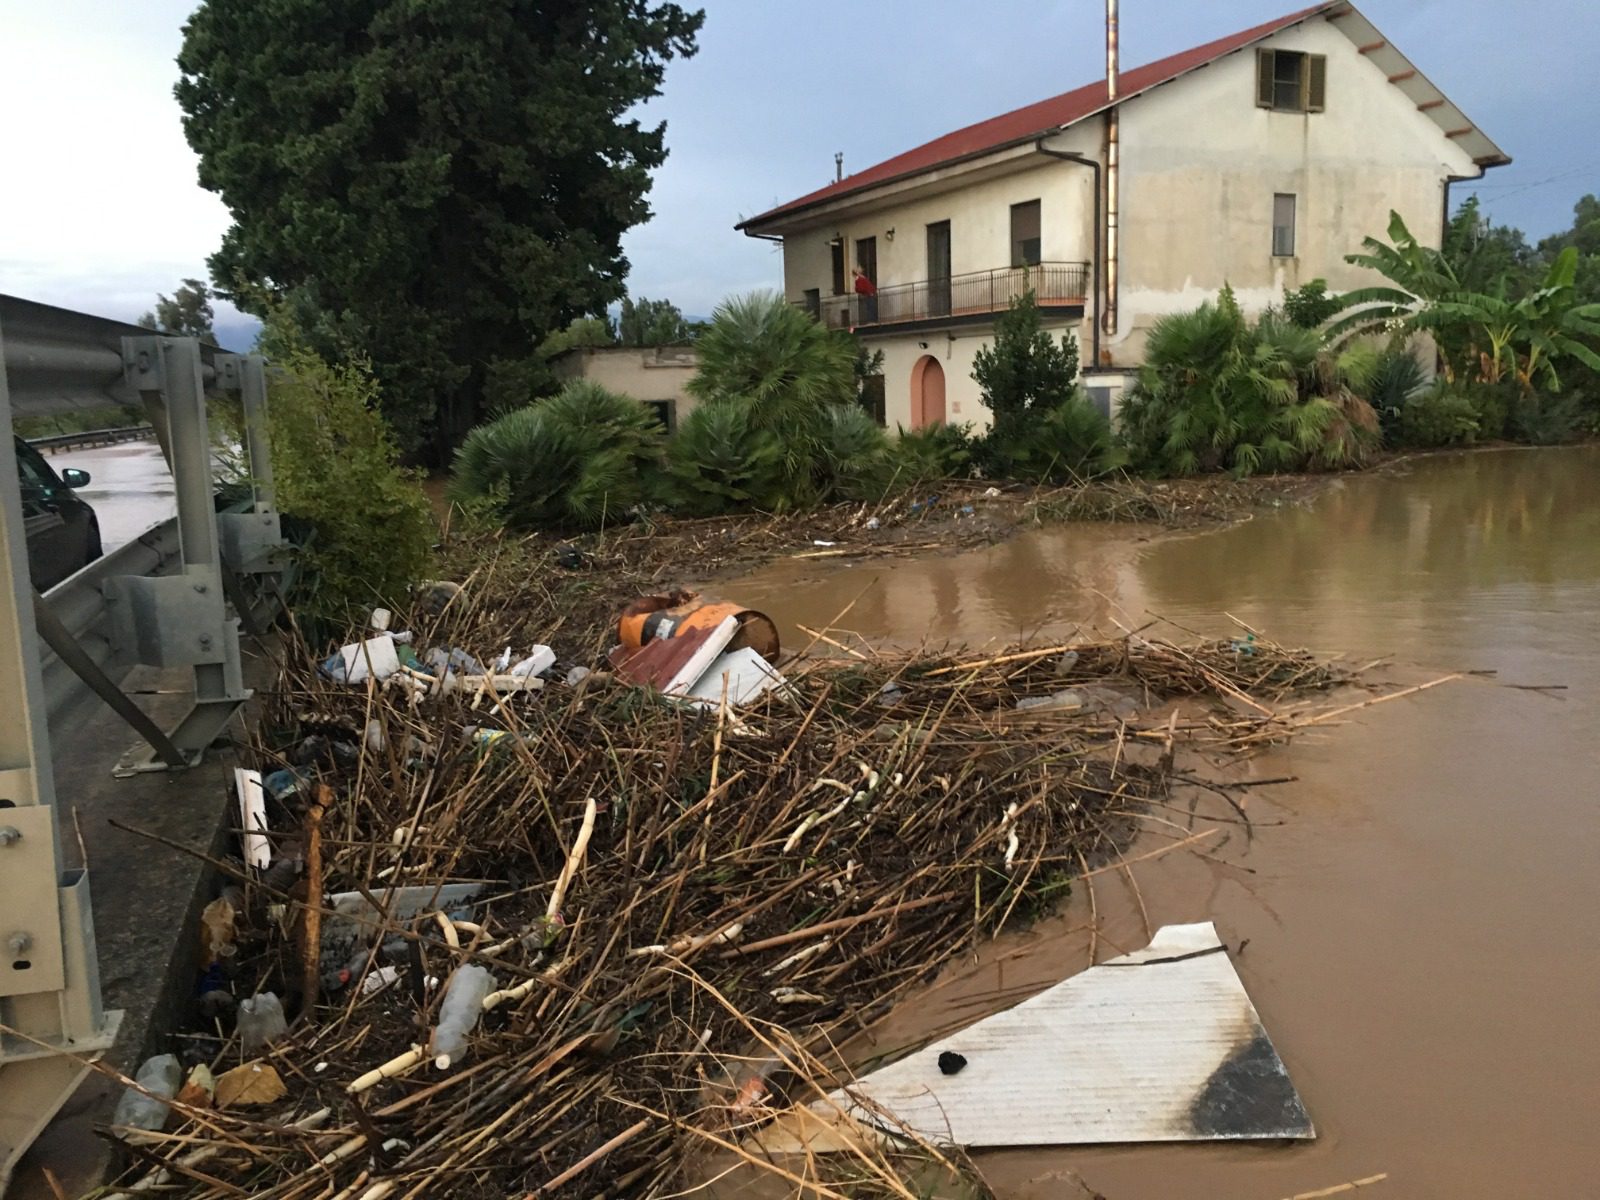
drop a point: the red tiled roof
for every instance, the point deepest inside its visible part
(1025, 124)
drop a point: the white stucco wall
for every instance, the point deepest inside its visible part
(652, 373)
(1201, 163)
(955, 349)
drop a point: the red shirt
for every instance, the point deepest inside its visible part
(864, 286)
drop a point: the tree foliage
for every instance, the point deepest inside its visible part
(441, 185)
(1025, 372)
(336, 467)
(651, 323)
(187, 312)
(1309, 306)
(788, 368)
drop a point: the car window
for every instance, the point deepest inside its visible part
(38, 481)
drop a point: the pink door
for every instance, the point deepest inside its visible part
(927, 393)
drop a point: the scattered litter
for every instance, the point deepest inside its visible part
(280, 785)
(199, 1089)
(250, 1085)
(991, 492)
(570, 557)
(744, 673)
(577, 675)
(874, 523)
(217, 932)
(248, 787)
(161, 1076)
(260, 1021)
(890, 694)
(1066, 663)
(376, 981)
(437, 594)
(967, 510)
(462, 1006)
(374, 738)
(950, 1062)
(375, 657)
(682, 646)
(540, 659)
(1068, 699)
(1160, 1045)
(820, 542)
(380, 620)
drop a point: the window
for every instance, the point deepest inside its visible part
(871, 399)
(1025, 242)
(665, 411)
(837, 246)
(1291, 81)
(814, 303)
(1283, 225)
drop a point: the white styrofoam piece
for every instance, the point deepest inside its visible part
(747, 673)
(540, 659)
(708, 652)
(252, 818)
(1159, 1045)
(375, 655)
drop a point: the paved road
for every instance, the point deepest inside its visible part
(129, 486)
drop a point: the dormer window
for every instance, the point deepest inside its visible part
(1291, 81)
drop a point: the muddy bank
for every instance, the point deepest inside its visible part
(1416, 905)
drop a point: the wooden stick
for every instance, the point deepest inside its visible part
(594, 1156)
(1368, 703)
(311, 926)
(559, 893)
(995, 662)
(1341, 1188)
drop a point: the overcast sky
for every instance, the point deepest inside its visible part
(99, 207)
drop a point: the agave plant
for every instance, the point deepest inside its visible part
(582, 458)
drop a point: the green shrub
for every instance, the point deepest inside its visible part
(335, 466)
(1436, 417)
(719, 461)
(1026, 372)
(1397, 376)
(1309, 306)
(1546, 418)
(581, 459)
(926, 455)
(852, 455)
(1069, 441)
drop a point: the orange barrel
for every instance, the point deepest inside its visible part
(658, 618)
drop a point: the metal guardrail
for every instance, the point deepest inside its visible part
(975, 293)
(93, 437)
(173, 598)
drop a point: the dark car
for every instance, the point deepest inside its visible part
(63, 534)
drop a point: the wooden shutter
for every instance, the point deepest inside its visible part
(1264, 65)
(1316, 82)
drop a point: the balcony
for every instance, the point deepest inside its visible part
(973, 295)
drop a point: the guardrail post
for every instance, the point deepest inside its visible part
(182, 620)
(51, 1020)
(252, 542)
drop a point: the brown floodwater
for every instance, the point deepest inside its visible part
(1422, 906)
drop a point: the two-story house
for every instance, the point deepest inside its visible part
(1259, 160)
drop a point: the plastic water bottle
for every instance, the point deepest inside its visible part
(260, 1021)
(459, 1013)
(161, 1076)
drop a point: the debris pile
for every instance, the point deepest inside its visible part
(515, 941)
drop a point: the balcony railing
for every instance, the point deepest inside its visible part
(973, 294)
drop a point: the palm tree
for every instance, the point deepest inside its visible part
(770, 355)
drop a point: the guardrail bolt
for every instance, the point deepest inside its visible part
(9, 834)
(18, 943)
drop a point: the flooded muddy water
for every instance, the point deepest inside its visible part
(1422, 904)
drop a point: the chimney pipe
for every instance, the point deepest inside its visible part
(1113, 156)
(838, 166)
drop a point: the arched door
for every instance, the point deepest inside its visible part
(927, 393)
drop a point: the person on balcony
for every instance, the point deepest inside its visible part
(868, 292)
